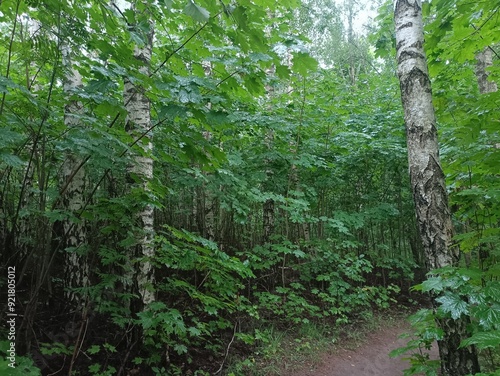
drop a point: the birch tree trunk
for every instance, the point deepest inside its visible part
(76, 268)
(209, 204)
(138, 122)
(349, 7)
(426, 175)
(484, 60)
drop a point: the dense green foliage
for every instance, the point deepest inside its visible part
(280, 190)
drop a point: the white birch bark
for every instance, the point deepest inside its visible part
(138, 123)
(426, 175)
(484, 60)
(76, 268)
(349, 5)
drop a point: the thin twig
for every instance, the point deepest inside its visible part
(476, 28)
(80, 339)
(167, 58)
(227, 350)
(60, 369)
(9, 56)
(124, 362)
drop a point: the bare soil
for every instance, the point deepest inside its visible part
(369, 359)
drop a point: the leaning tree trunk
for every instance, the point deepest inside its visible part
(140, 172)
(426, 175)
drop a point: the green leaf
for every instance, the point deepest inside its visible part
(109, 347)
(11, 160)
(483, 340)
(396, 353)
(172, 112)
(211, 310)
(283, 71)
(488, 315)
(23, 365)
(193, 331)
(180, 349)
(453, 304)
(492, 290)
(254, 85)
(167, 3)
(7, 83)
(303, 62)
(426, 9)
(196, 12)
(94, 349)
(432, 284)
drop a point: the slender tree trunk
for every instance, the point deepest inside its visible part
(268, 220)
(25, 238)
(268, 209)
(426, 175)
(349, 5)
(141, 171)
(209, 204)
(484, 60)
(76, 268)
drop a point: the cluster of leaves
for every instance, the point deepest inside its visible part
(317, 284)
(460, 292)
(22, 366)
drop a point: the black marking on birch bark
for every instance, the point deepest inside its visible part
(143, 58)
(420, 198)
(406, 55)
(436, 165)
(418, 45)
(412, 129)
(404, 26)
(129, 126)
(414, 76)
(144, 100)
(433, 169)
(406, 4)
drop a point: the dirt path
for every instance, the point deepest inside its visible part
(370, 359)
